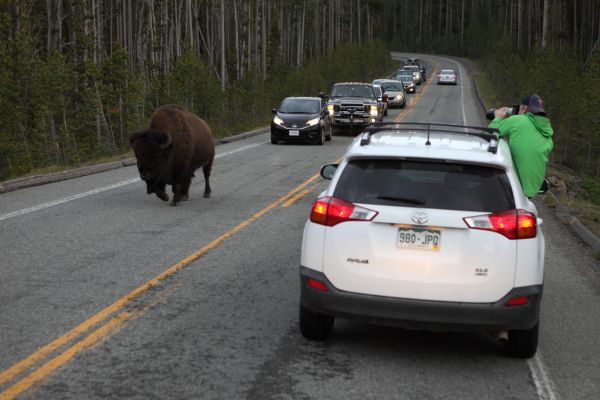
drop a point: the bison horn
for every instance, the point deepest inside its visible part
(165, 140)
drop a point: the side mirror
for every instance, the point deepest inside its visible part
(274, 111)
(327, 171)
(323, 96)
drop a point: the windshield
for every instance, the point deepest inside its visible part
(392, 86)
(297, 106)
(353, 91)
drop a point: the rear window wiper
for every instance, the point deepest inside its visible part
(408, 200)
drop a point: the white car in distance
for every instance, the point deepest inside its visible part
(424, 226)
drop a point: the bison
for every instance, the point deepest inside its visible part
(177, 143)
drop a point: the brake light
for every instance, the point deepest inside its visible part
(514, 224)
(330, 211)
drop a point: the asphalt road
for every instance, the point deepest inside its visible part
(107, 293)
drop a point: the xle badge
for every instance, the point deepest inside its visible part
(481, 271)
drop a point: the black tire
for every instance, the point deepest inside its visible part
(330, 133)
(523, 343)
(274, 140)
(315, 326)
(321, 138)
(403, 106)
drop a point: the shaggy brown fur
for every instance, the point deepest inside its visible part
(177, 143)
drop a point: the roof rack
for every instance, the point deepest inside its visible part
(488, 134)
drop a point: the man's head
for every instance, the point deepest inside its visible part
(533, 104)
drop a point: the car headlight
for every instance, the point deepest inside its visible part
(313, 122)
(330, 108)
(277, 120)
(373, 111)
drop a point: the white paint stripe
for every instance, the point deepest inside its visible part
(102, 189)
(66, 199)
(544, 386)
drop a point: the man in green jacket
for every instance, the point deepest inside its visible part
(529, 136)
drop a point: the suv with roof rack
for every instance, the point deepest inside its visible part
(353, 104)
(424, 226)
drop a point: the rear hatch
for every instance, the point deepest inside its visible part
(419, 246)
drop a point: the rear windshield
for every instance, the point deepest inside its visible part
(423, 184)
(447, 71)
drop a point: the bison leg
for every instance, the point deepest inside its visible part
(180, 190)
(206, 169)
(161, 191)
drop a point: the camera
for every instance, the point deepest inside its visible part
(512, 110)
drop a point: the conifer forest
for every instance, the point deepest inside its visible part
(77, 77)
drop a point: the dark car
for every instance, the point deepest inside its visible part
(406, 77)
(301, 119)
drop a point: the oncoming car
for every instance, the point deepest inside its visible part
(301, 119)
(396, 96)
(447, 76)
(424, 226)
(406, 77)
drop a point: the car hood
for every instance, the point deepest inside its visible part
(352, 100)
(298, 119)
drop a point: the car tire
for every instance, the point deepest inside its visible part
(403, 106)
(274, 140)
(315, 326)
(321, 138)
(329, 134)
(522, 343)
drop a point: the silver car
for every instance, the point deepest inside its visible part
(394, 90)
(447, 76)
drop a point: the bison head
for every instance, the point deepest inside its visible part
(152, 151)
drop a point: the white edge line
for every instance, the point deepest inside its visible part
(544, 386)
(102, 189)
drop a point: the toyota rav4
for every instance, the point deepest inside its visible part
(424, 226)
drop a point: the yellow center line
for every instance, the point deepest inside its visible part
(293, 199)
(48, 349)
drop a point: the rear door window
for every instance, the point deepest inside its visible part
(425, 184)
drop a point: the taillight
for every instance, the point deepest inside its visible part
(330, 211)
(514, 224)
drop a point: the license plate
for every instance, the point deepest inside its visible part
(419, 239)
(358, 121)
(294, 133)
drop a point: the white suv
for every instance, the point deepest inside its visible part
(424, 226)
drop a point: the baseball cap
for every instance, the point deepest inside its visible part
(534, 103)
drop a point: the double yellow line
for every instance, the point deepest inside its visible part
(32, 369)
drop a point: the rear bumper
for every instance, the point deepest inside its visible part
(421, 314)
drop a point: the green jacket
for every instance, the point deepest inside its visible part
(530, 141)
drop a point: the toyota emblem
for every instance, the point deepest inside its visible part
(294, 126)
(420, 218)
